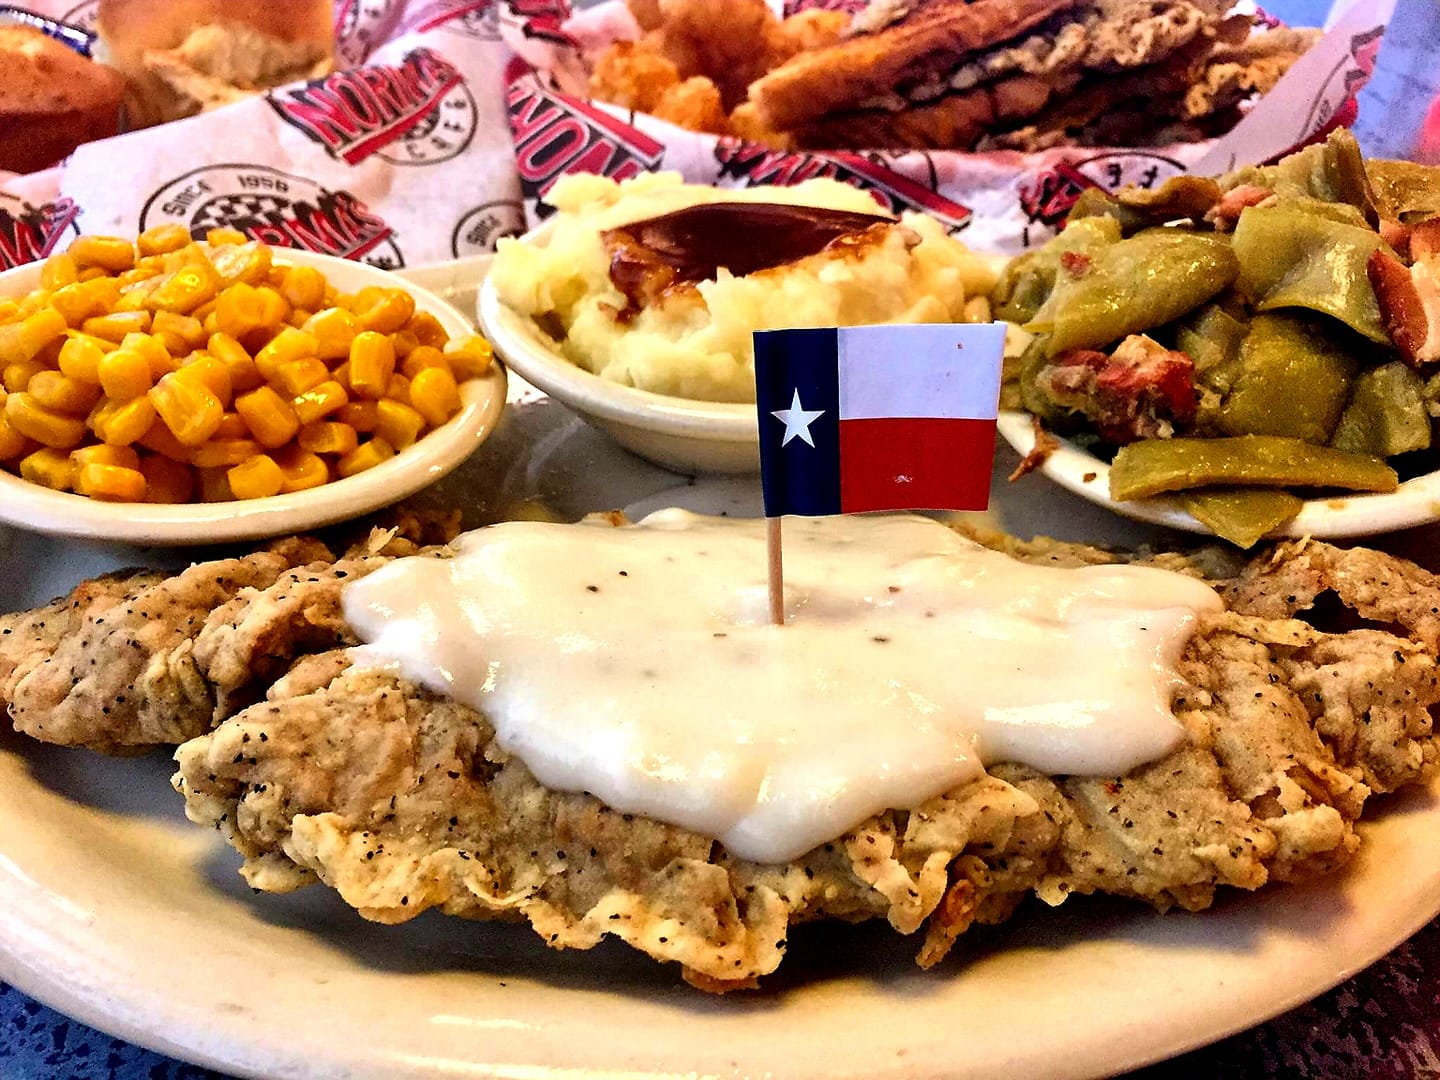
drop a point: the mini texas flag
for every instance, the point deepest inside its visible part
(893, 417)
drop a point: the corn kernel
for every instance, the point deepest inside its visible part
(114, 327)
(111, 252)
(319, 401)
(158, 437)
(105, 454)
(189, 409)
(239, 311)
(244, 375)
(9, 310)
(290, 344)
(45, 426)
(334, 330)
(372, 363)
(111, 483)
(470, 357)
(298, 317)
(214, 486)
(186, 289)
(33, 301)
(22, 340)
(405, 343)
(223, 453)
(59, 271)
(58, 391)
(257, 478)
(398, 388)
(77, 302)
(366, 456)
(388, 313)
(247, 261)
(397, 423)
(232, 426)
(186, 328)
(48, 467)
(294, 377)
(302, 470)
(269, 417)
(94, 273)
(120, 423)
(136, 295)
(161, 239)
(166, 481)
(327, 437)
(422, 357)
(17, 376)
(304, 287)
(427, 330)
(363, 416)
(275, 307)
(219, 237)
(434, 395)
(210, 373)
(125, 374)
(12, 443)
(153, 350)
(80, 358)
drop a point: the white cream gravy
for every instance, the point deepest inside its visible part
(638, 664)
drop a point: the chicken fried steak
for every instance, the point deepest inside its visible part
(402, 800)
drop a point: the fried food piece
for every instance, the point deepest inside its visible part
(402, 800)
(646, 13)
(718, 39)
(695, 105)
(633, 75)
(137, 659)
(745, 123)
(803, 31)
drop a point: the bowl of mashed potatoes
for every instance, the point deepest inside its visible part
(635, 303)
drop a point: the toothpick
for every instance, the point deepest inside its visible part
(777, 571)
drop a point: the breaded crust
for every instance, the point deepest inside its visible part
(929, 41)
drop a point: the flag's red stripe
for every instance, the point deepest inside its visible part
(908, 463)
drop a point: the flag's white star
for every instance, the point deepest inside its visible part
(797, 420)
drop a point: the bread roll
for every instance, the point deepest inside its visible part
(52, 99)
(182, 56)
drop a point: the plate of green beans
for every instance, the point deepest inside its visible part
(1254, 355)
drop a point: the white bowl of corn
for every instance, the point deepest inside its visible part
(168, 391)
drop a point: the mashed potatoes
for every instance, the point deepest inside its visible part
(695, 343)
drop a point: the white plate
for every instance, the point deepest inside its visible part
(34, 507)
(1415, 502)
(118, 912)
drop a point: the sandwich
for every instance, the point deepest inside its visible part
(1026, 74)
(183, 57)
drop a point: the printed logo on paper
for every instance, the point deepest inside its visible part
(479, 19)
(478, 229)
(30, 232)
(361, 26)
(539, 20)
(278, 208)
(83, 16)
(555, 134)
(1343, 83)
(753, 164)
(1047, 197)
(417, 113)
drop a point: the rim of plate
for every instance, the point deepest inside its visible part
(534, 357)
(31, 506)
(1414, 502)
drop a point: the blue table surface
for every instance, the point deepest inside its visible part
(37, 1043)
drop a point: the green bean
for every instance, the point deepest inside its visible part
(1135, 285)
(1405, 188)
(1029, 279)
(1292, 258)
(1292, 380)
(1211, 337)
(1386, 414)
(1241, 515)
(1333, 171)
(1154, 466)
